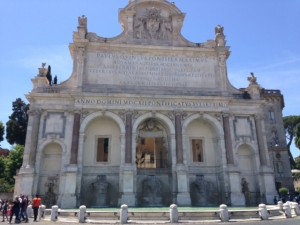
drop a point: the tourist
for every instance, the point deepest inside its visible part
(275, 200)
(5, 210)
(24, 205)
(15, 207)
(36, 202)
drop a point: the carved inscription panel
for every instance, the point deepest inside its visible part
(122, 68)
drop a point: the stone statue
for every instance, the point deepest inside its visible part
(43, 65)
(220, 37)
(245, 191)
(165, 26)
(252, 79)
(140, 158)
(82, 21)
(49, 76)
(50, 196)
(55, 79)
(101, 185)
(140, 33)
(43, 70)
(152, 22)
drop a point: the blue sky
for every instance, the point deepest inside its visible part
(264, 36)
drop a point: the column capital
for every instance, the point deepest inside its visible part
(34, 112)
(226, 114)
(74, 111)
(259, 116)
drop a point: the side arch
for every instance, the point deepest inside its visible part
(210, 119)
(94, 115)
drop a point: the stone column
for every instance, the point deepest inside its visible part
(128, 137)
(227, 135)
(178, 134)
(260, 139)
(31, 138)
(75, 137)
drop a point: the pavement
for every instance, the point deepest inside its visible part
(272, 221)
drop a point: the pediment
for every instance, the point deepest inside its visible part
(150, 22)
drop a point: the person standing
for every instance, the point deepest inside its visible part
(36, 202)
(5, 210)
(24, 205)
(15, 209)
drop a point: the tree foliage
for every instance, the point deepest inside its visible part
(290, 124)
(1, 131)
(297, 136)
(10, 164)
(283, 191)
(16, 127)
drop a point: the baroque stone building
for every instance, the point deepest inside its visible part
(148, 118)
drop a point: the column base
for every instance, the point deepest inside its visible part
(127, 199)
(237, 199)
(184, 199)
(68, 201)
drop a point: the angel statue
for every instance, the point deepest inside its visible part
(252, 79)
(164, 27)
(82, 21)
(220, 37)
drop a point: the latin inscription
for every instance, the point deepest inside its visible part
(150, 103)
(139, 70)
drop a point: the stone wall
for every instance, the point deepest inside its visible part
(6, 195)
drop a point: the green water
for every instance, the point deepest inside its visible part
(161, 209)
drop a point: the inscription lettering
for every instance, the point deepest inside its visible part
(141, 70)
(150, 103)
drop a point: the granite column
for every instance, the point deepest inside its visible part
(178, 135)
(227, 135)
(75, 138)
(260, 140)
(128, 137)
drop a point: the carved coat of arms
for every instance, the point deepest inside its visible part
(152, 22)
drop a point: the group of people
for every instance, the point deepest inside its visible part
(18, 208)
(290, 198)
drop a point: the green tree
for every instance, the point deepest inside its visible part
(13, 163)
(16, 127)
(290, 123)
(297, 136)
(283, 191)
(297, 162)
(1, 131)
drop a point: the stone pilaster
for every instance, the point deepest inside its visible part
(260, 140)
(31, 138)
(75, 137)
(178, 135)
(128, 137)
(227, 135)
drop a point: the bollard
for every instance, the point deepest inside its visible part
(54, 213)
(173, 213)
(41, 212)
(280, 205)
(224, 213)
(263, 212)
(82, 212)
(29, 211)
(123, 214)
(295, 207)
(287, 210)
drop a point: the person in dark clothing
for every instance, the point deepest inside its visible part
(15, 209)
(275, 200)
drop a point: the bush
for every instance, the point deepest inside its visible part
(298, 190)
(283, 191)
